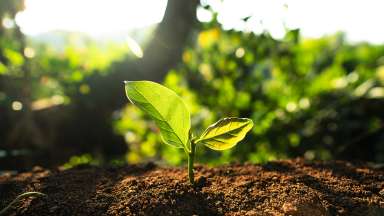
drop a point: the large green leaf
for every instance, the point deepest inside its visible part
(225, 133)
(165, 107)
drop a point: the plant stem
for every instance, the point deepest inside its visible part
(191, 157)
(18, 198)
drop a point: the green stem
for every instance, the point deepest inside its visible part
(191, 157)
(18, 198)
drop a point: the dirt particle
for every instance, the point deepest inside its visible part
(289, 208)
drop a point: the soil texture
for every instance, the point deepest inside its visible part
(287, 187)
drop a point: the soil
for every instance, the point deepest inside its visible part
(289, 187)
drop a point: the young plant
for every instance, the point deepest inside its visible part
(173, 118)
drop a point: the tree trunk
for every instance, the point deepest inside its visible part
(86, 124)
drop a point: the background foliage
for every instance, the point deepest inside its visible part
(313, 98)
(317, 98)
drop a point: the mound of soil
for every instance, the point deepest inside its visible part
(289, 187)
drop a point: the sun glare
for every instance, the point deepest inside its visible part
(361, 20)
(95, 17)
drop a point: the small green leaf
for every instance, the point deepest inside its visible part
(225, 133)
(165, 107)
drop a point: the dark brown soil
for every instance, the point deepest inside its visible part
(292, 187)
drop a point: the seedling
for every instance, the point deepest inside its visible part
(173, 118)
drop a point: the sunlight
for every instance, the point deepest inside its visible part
(89, 16)
(135, 47)
(359, 19)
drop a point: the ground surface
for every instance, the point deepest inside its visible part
(293, 187)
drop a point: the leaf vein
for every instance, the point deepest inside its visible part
(133, 87)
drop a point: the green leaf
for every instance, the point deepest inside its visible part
(15, 58)
(225, 133)
(165, 107)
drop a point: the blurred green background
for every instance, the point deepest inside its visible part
(62, 97)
